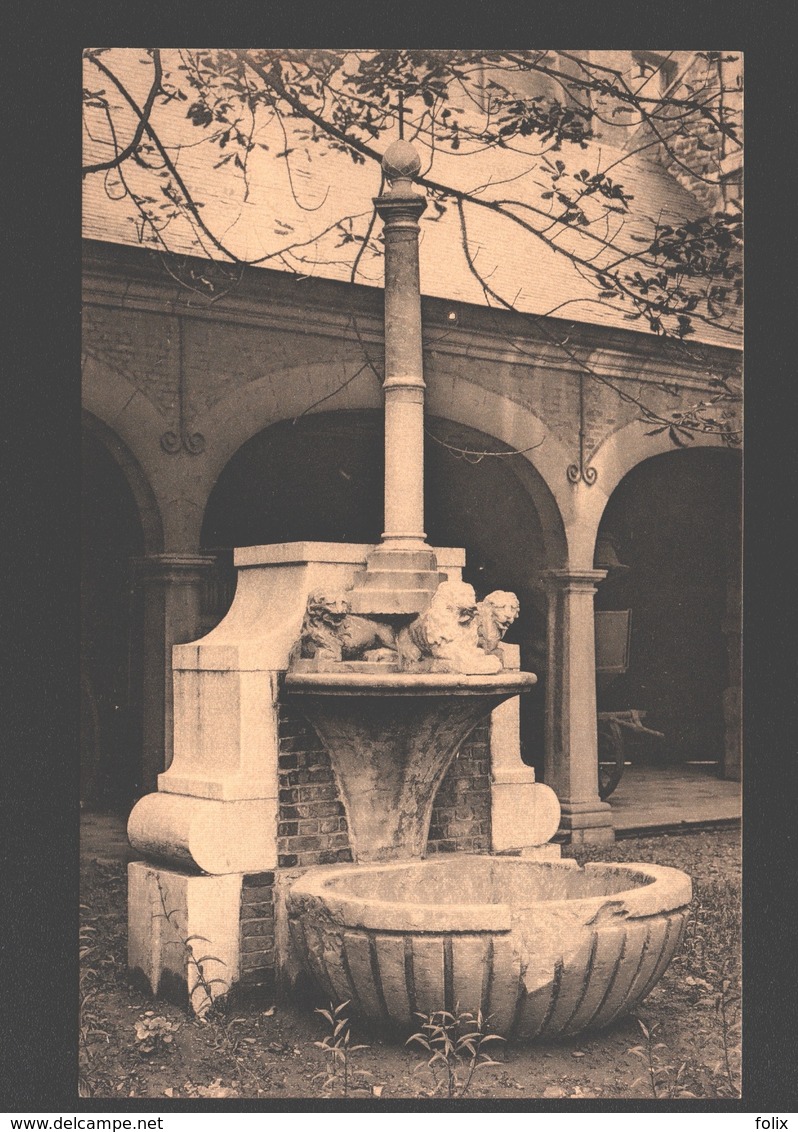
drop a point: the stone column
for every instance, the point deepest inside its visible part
(400, 209)
(172, 593)
(571, 754)
(401, 573)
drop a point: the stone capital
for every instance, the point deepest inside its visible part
(174, 568)
(584, 581)
(400, 208)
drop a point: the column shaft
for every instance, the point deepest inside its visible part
(404, 380)
(571, 754)
(171, 587)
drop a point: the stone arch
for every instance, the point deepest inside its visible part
(146, 502)
(252, 408)
(673, 519)
(615, 457)
(128, 415)
(282, 487)
(120, 523)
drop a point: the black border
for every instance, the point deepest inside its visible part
(40, 442)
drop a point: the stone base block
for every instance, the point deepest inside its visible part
(522, 814)
(586, 823)
(183, 934)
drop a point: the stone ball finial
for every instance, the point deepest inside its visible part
(400, 160)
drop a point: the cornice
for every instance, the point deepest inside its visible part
(611, 353)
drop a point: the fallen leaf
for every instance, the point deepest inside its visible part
(577, 1053)
(268, 1013)
(376, 1090)
(553, 1091)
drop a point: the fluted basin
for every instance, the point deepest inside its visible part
(391, 738)
(543, 948)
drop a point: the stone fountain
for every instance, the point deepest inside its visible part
(384, 659)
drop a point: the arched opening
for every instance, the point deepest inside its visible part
(674, 521)
(112, 537)
(322, 479)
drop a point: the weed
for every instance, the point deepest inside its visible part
(665, 1080)
(725, 999)
(89, 1029)
(338, 1048)
(154, 1033)
(727, 1008)
(203, 984)
(454, 1042)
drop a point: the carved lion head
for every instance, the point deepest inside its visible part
(327, 609)
(503, 606)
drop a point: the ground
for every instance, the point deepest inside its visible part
(683, 1042)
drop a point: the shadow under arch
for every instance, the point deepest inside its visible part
(321, 479)
(146, 503)
(674, 519)
(117, 523)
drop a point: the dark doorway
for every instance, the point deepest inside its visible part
(112, 536)
(674, 520)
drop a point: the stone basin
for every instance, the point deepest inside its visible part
(541, 947)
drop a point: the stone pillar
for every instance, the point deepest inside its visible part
(172, 592)
(571, 754)
(404, 386)
(401, 573)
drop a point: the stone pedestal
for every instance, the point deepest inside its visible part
(216, 807)
(571, 754)
(172, 591)
(525, 814)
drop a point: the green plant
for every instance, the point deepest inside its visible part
(203, 985)
(665, 1080)
(454, 1042)
(337, 1047)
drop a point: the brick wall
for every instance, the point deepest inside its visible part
(461, 813)
(257, 933)
(312, 827)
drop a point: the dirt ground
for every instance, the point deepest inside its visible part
(684, 1042)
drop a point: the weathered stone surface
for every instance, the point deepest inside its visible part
(524, 814)
(391, 739)
(495, 616)
(543, 947)
(448, 634)
(175, 921)
(331, 632)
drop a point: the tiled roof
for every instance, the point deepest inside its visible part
(296, 203)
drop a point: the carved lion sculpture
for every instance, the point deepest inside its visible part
(331, 632)
(495, 616)
(448, 634)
